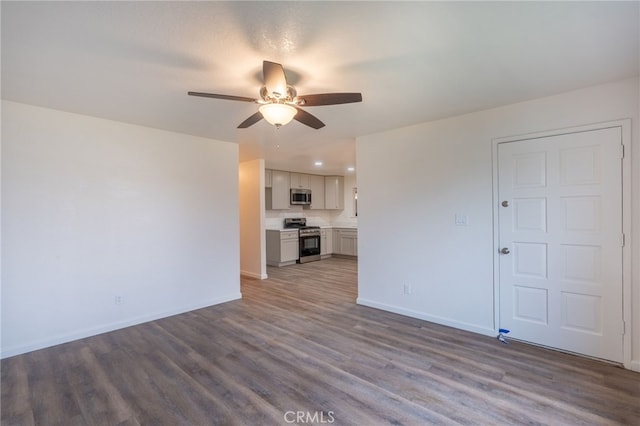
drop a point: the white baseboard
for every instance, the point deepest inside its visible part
(254, 275)
(81, 334)
(431, 318)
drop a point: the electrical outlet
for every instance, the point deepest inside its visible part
(118, 300)
(407, 288)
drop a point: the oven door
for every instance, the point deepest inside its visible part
(309, 248)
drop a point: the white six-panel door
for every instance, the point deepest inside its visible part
(560, 233)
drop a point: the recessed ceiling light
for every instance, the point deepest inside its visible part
(318, 163)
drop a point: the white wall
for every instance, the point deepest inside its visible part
(253, 253)
(412, 181)
(94, 209)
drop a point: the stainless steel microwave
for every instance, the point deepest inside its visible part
(300, 196)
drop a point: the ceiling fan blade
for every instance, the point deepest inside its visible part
(251, 120)
(310, 120)
(274, 79)
(329, 99)
(226, 97)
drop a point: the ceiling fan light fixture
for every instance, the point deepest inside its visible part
(280, 101)
(278, 114)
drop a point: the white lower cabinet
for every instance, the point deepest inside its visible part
(345, 241)
(282, 247)
(326, 242)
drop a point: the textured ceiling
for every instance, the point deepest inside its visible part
(413, 62)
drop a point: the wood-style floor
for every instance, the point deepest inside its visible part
(298, 349)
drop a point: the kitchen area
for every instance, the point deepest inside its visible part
(309, 217)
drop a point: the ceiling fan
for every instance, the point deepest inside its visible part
(280, 103)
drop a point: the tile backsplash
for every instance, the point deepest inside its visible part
(274, 219)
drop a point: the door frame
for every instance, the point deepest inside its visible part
(625, 126)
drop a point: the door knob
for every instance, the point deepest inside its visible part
(505, 204)
(505, 250)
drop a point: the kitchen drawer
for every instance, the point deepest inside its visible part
(288, 235)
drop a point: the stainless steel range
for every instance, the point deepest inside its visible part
(308, 239)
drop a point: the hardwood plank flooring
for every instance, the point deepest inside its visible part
(298, 345)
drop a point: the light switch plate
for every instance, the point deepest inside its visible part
(461, 219)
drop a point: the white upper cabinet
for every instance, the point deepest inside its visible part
(327, 192)
(299, 180)
(267, 178)
(334, 193)
(316, 185)
(277, 197)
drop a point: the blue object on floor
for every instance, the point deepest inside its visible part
(501, 337)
